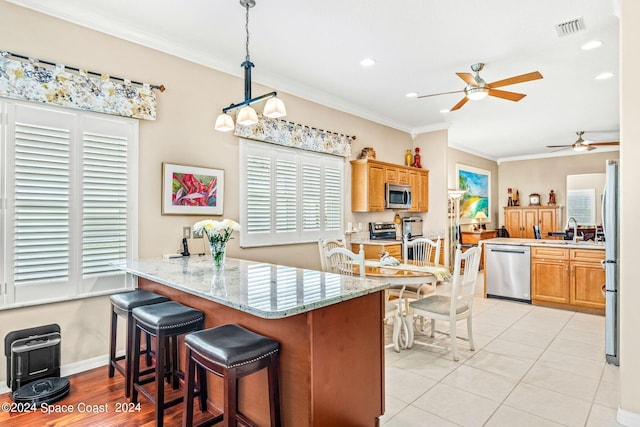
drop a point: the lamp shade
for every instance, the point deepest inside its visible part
(481, 216)
(247, 116)
(224, 123)
(275, 108)
(477, 93)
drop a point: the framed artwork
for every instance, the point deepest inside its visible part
(190, 190)
(476, 184)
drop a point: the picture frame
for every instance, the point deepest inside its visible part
(476, 183)
(192, 190)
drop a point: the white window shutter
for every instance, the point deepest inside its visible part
(288, 195)
(71, 202)
(41, 194)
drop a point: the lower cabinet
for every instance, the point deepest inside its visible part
(375, 251)
(571, 277)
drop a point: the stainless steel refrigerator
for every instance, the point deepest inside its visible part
(611, 227)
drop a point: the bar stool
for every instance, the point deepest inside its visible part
(121, 305)
(232, 352)
(165, 321)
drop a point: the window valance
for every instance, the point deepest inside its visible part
(42, 81)
(282, 132)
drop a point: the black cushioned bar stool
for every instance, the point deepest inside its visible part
(165, 321)
(121, 305)
(231, 352)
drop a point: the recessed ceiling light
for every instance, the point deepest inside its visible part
(411, 95)
(446, 110)
(367, 62)
(591, 45)
(604, 76)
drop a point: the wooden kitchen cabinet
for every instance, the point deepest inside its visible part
(587, 278)
(367, 185)
(550, 275)
(519, 220)
(570, 277)
(374, 251)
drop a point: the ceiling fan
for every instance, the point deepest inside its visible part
(477, 88)
(583, 144)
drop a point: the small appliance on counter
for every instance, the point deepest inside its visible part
(382, 231)
(412, 227)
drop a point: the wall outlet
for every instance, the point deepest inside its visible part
(186, 232)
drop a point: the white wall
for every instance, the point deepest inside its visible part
(630, 206)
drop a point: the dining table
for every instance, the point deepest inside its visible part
(399, 276)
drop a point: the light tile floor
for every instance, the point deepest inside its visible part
(533, 366)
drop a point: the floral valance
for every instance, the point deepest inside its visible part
(282, 132)
(42, 81)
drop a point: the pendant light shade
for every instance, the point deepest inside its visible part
(224, 123)
(275, 108)
(247, 116)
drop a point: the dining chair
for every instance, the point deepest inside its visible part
(454, 307)
(536, 232)
(324, 246)
(344, 261)
(424, 252)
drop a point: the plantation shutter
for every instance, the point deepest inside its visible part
(288, 195)
(41, 193)
(104, 210)
(71, 202)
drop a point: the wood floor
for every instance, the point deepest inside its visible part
(95, 390)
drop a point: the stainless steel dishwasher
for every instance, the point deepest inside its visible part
(508, 272)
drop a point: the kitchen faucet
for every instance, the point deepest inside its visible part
(573, 224)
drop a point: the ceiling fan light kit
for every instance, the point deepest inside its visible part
(478, 89)
(274, 108)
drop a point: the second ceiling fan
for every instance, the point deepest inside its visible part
(583, 144)
(477, 88)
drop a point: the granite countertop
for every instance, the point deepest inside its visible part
(264, 290)
(586, 244)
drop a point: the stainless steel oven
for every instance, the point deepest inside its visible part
(397, 196)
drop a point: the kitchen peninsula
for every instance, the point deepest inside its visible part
(330, 329)
(564, 274)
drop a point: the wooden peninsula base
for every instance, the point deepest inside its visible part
(331, 362)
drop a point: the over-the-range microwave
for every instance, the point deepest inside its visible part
(397, 196)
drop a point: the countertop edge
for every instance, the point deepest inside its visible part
(381, 285)
(542, 243)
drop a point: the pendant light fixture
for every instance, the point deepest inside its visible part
(246, 116)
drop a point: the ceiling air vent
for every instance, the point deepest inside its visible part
(570, 27)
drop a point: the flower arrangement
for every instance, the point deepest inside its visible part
(218, 234)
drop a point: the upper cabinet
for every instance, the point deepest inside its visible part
(367, 185)
(519, 220)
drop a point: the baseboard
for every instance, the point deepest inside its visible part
(628, 418)
(74, 368)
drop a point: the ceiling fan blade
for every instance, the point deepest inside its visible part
(559, 146)
(591, 148)
(597, 144)
(441, 93)
(460, 104)
(511, 96)
(468, 79)
(517, 79)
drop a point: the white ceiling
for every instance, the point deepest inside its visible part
(312, 49)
